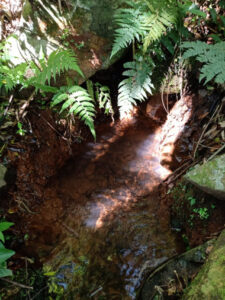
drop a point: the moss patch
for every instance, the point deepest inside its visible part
(210, 177)
(209, 283)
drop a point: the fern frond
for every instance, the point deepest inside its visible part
(58, 61)
(144, 21)
(129, 28)
(78, 102)
(211, 56)
(161, 16)
(136, 86)
(104, 99)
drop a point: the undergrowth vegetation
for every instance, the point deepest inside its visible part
(188, 211)
(156, 31)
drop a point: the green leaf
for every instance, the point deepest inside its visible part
(50, 273)
(2, 238)
(58, 98)
(5, 225)
(222, 4)
(198, 12)
(79, 103)
(136, 86)
(211, 56)
(5, 272)
(213, 15)
(5, 254)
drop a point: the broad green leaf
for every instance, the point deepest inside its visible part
(5, 254)
(2, 238)
(5, 225)
(5, 272)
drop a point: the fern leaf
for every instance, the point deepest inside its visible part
(128, 21)
(79, 103)
(156, 24)
(104, 99)
(58, 61)
(211, 56)
(136, 86)
(144, 21)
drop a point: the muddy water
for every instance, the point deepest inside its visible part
(100, 215)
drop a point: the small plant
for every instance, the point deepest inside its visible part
(20, 130)
(202, 212)
(4, 253)
(101, 94)
(187, 210)
(67, 278)
(192, 201)
(186, 242)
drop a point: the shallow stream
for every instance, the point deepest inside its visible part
(99, 220)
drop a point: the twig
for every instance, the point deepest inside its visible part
(171, 179)
(26, 208)
(17, 284)
(26, 276)
(26, 104)
(7, 108)
(97, 291)
(178, 279)
(204, 130)
(60, 6)
(41, 290)
(164, 106)
(181, 167)
(74, 233)
(215, 153)
(65, 139)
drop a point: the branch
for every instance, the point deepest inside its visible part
(17, 284)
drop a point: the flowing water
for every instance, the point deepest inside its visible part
(100, 220)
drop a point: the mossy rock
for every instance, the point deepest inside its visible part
(209, 284)
(210, 177)
(85, 27)
(166, 279)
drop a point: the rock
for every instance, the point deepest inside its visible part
(154, 108)
(7, 178)
(172, 130)
(174, 274)
(3, 171)
(209, 284)
(85, 26)
(210, 177)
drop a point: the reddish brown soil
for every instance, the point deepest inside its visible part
(107, 197)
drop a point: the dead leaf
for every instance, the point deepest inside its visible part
(172, 290)
(222, 124)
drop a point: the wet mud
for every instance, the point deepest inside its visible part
(103, 206)
(102, 212)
